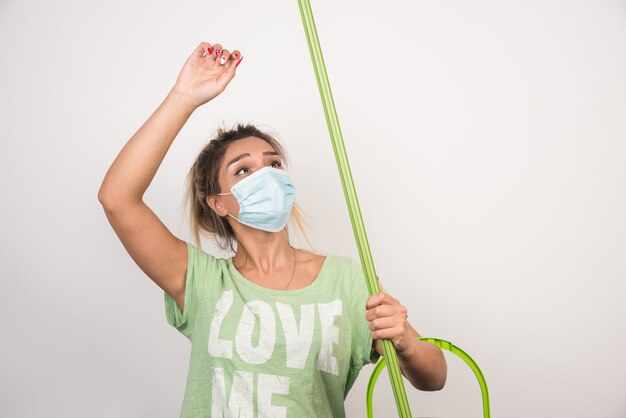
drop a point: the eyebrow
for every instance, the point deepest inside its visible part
(242, 156)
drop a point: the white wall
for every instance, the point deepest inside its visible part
(486, 140)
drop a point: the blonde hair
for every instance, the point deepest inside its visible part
(203, 181)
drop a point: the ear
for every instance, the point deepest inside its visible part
(215, 205)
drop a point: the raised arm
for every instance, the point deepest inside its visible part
(161, 255)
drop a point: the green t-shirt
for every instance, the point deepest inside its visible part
(258, 352)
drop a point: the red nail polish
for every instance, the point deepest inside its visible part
(235, 55)
(239, 62)
(209, 50)
(218, 52)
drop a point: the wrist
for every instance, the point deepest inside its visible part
(181, 101)
(409, 352)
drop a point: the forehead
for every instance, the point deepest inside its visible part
(250, 145)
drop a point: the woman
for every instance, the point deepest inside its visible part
(275, 331)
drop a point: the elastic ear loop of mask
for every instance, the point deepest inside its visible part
(351, 198)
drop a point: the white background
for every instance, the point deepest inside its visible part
(486, 140)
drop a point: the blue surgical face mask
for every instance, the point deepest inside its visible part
(265, 199)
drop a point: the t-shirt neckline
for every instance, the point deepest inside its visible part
(311, 286)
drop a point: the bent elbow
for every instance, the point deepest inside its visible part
(114, 200)
(439, 384)
(440, 381)
(433, 385)
(102, 196)
(106, 198)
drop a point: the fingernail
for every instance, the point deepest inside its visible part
(235, 54)
(223, 60)
(218, 52)
(239, 62)
(210, 50)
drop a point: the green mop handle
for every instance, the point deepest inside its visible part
(351, 198)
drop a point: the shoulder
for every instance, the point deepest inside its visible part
(315, 261)
(310, 265)
(344, 263)
(201, 261)
(337, 266)
(197, 251)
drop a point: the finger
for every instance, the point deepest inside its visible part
(227, 75)
(387, 299)
(387, 311)
(373, 301)
(381, 298)
(381, 311)
(202, 49)
(387, 333)
(223, 59)
(232, 64)
(208, 53)
(217, 50)
(235, 58)
(383, 323)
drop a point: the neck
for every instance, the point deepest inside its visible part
(263, 251)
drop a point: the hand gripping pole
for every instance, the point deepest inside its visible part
(351, 198)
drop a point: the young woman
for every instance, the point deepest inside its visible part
(276, 331)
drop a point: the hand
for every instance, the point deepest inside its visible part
(388, 320)
(206, 73)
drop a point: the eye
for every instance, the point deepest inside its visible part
(276, 164)
(241, 171)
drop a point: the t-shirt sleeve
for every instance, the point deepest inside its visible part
(200, 268)
(364, 351)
